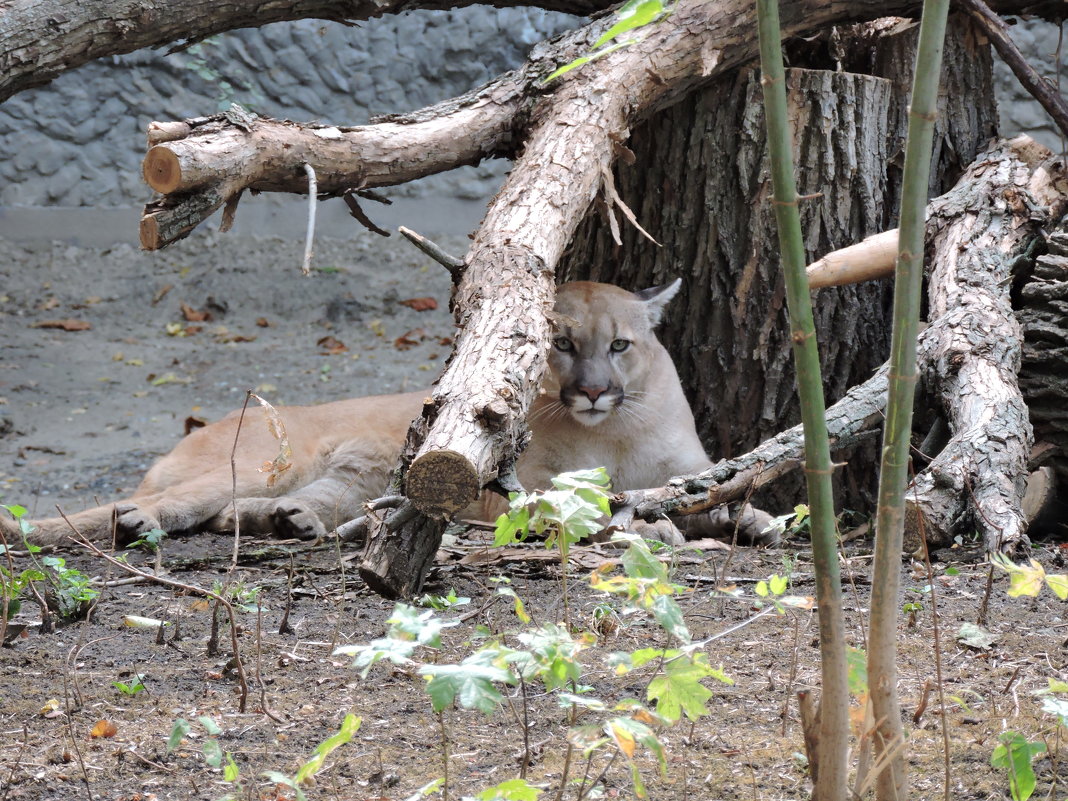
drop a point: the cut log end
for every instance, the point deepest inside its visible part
(442, 483)
(161, 170)
(149, 231)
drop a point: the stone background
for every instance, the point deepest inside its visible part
(79, 141)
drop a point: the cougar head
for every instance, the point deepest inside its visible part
(604, 349)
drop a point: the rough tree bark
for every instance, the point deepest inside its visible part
(700, 184)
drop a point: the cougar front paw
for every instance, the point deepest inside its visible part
(661, 530)
(132, 522)
(293, 519)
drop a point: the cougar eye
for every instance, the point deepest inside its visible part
(563, 344)
(619, 345)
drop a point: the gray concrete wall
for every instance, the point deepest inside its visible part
(78, 143)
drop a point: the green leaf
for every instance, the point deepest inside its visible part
(679, 689)
(1014, 756)
(213, 753)
(349, 726)
(427, 789)
(777, 584)
(669, 616)
(1057, 707)
(512, 526)
(178, 731)
(511, 790)
(578, 62)
(520, 608)
(639, 562)
(231, 772)
(210, 726)
(634, 14)
(286, 781)
(1059, 585)
(470, 682)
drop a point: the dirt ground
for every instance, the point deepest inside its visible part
(83, 413)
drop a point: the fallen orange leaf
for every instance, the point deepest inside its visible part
(420, 304)
(104, 728)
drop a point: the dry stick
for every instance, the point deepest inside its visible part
(70, 730)
(18, 758)
(936, 630)
(233, 482)
(445, 754)
(998, 33)
(305, 266)
(434, 251)
(189, 588)
(259, 659)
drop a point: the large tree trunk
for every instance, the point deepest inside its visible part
(699, 184)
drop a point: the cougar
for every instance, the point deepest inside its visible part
(611, 398)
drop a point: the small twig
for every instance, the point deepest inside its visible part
(283, 626)
(434, 251)
(361, 216)
(233, 478)
(313, 191)
(17, 762)
(70, 731)
(998, 33)
(264, 707)
(984, 605)
(145, 760)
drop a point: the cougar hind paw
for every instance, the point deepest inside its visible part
(293, 519)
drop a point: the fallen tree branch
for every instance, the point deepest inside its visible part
(969, 356)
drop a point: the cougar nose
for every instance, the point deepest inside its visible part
(593, 393)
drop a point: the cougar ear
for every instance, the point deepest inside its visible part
(656, 298)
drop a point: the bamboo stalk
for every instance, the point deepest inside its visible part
(833, 740)
(893, 472)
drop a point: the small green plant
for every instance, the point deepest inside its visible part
(67, 590)
(213, 752)
(443, 602)
(349, 726)
(242, 597)
(791, 523)
(1014, 755)
(565, 515)
(136, 685)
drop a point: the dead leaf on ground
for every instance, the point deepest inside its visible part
(67, 324)
(331, 345)
(195, 316)
(445, 342)
(227, 337)
(263, 322)
(104, 728)
(409, 339)
(163, 290)
(420, 304)
(51, 303)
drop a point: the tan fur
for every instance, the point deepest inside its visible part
(603, 404)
